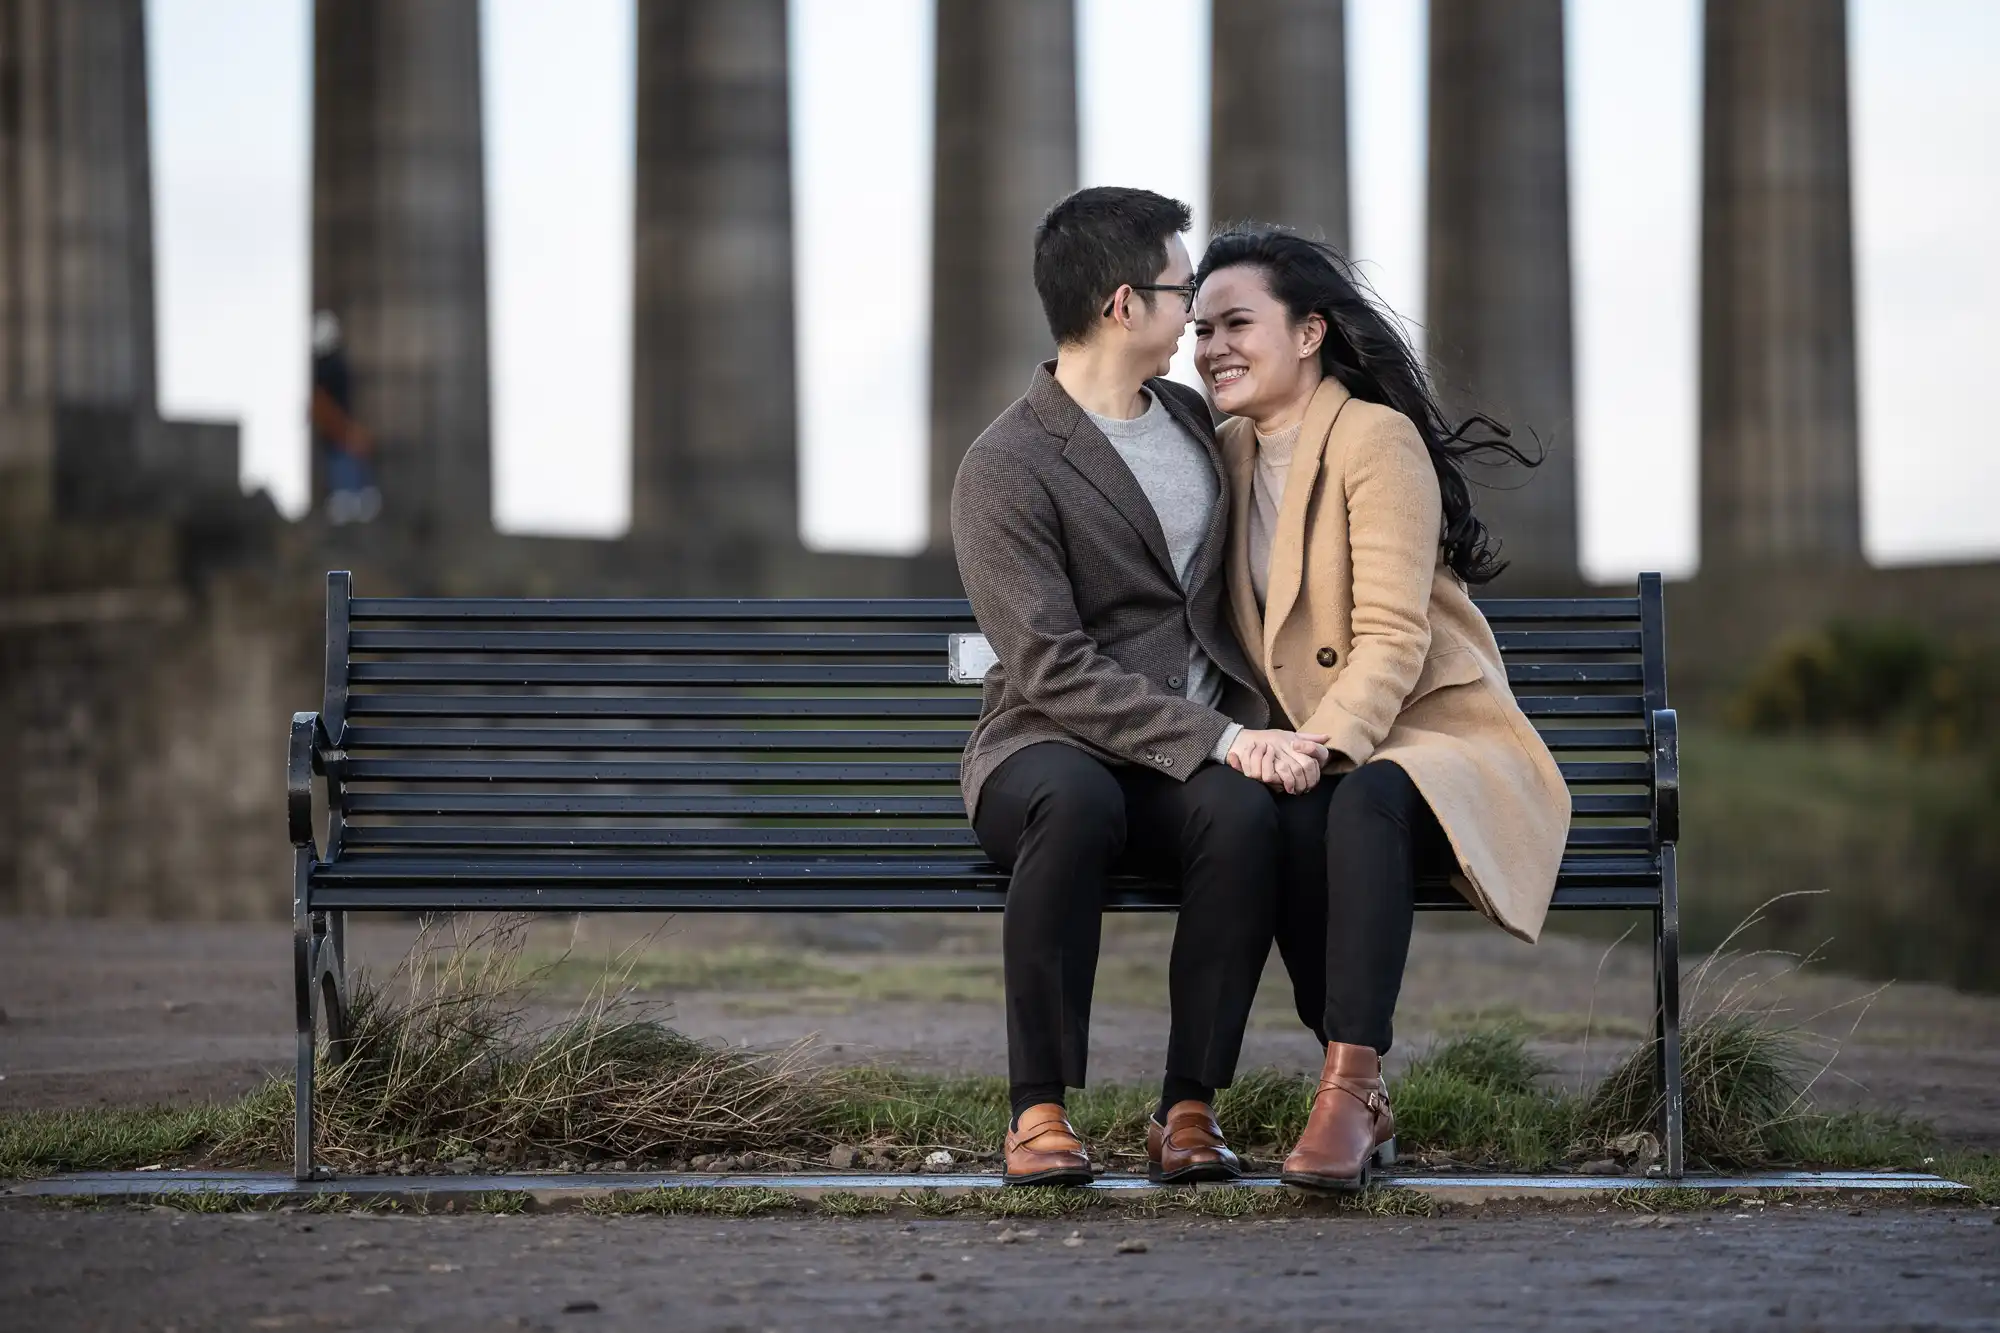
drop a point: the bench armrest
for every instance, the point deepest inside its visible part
(1666, 776)
(299, 765)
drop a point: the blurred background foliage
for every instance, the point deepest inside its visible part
(1857, 768)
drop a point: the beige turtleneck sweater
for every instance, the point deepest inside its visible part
(1267, 492)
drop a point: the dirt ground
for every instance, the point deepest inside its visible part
(103, 1012)
(1831, 1267)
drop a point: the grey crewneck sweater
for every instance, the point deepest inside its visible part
(1173, 470)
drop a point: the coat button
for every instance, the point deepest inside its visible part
(1327, 657)
(1175, 682)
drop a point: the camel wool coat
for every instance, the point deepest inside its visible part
(1369, 638)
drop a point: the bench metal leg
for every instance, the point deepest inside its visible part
(302, 1000)
(1667, 1017)
(329, 971)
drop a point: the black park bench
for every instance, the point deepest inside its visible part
(712, 755)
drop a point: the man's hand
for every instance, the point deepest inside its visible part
(1287, 760)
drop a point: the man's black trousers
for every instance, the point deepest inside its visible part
(1062, 823)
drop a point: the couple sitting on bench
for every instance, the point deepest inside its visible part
(1241, 659)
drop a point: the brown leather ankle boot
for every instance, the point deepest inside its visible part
(1351, 1128)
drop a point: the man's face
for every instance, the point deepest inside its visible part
(1154, 321)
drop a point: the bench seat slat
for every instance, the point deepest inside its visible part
(599, 803)
(400, 839)
(821, 644)
(782, 673)
(841, 898)
(957, 707)
(773, 643)
(365, 737)
(642, 770)
(1568, 640)
(719, 773)
(649, 673)
(1575, 673)
(862, 610)
(735, 806)
(487, 609)
(1582, 705)
(772, 868)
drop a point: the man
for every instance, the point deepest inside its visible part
(1089, 526)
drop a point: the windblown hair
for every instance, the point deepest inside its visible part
(1094, 242)
(1368, 354)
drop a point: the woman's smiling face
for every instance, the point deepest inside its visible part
(1255, 361)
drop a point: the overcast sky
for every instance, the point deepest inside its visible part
(231, 132)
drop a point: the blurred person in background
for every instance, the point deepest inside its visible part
(343, 448)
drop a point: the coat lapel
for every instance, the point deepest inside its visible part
(1086, 450)
(1239, 454)
(1288, 543)
(1092, 455)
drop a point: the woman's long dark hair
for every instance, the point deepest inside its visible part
(1367, 353)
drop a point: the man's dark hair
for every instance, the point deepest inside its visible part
(1093, 243)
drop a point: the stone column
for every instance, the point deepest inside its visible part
(714, 428)
(1498, 298)
(1277, 144)
(399, 247)
(80, 434)
(1780, 458)
(1006, 150)
(76, 215)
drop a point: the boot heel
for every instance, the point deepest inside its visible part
(1385, 1154)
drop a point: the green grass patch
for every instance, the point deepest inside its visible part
(722, 1202)
(34, 1143)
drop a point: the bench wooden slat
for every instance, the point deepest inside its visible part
(365, 736)
(1574, 673)
(862, 610)
(753, 807)
(1508, 610)
(704, 771)
(367, 839)
(1567, 640)
(778, 673)
(1582, 705)
(817, 644)
(711, 772)
(644, 673)
(582, 642)
(774, 869)
(599, 803)
(962, 704)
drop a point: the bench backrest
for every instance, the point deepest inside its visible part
(643, 728)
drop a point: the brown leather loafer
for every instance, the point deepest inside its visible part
(1044, 1150)
(1351, 1128)
(1189, 1148)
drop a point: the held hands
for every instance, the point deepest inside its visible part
(1287, 760)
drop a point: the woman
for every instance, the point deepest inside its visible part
(1352, 545)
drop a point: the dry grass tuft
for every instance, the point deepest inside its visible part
(452, 1069)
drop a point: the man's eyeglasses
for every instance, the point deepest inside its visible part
(1186, 289)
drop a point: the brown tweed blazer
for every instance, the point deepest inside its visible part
(1069, 576)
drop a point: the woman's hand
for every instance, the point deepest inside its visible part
(1289, 761)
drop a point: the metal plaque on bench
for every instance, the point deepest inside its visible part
(971, 658)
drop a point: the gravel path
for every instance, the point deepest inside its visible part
(1826, 1267)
